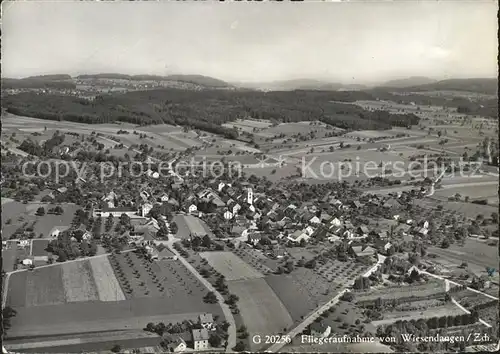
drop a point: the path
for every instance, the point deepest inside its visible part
(458, 284)
(310, 319)
(231, 341)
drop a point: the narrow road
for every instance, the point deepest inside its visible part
(310, 319)
(468, 312)
(231, 341)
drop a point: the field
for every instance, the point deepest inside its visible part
(85, 342)
(262, 311)
(486, 191)
(38, 247)
(231, 266)
(248, 125)
(44, 286)
(78, 282)
(87, 290)
(304, 289)
(106, 284)
(19, 214)
(477, 253)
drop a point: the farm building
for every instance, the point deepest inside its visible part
(298, 236)
(207, 321)
(57, 230)
(200, 339)
(175, 343)
(362, 252)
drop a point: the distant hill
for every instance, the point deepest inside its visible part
(49, 77)
(206, 81)
(300, 84)
(408, 82)
(487, 86)
(46, 81)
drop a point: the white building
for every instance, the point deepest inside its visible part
(192, 208)
(200, 339)
(146, 208)
(249, 196)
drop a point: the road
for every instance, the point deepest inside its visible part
(310, 319)
(231, 341)
(468, 312)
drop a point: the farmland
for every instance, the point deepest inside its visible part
(262, 311)
(106, 284)
(164, 291)
(477, 253)
(78, 282)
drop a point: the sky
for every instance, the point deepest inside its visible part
(253, 42)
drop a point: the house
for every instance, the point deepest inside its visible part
(384, 246)
(363, 252)
(422, 231)
(27, 262)
(356, 204)
(363, 230)
(192, 208)
(314, 220)
(24, 243)
(206, 321)
(228, 215)
(173, 202)
(57, 230)
(320, 329)
(175, 343)
(238, 231)
(200, 339)
(234, 207)
(336, 222)
(298, 236)
(164, 198)
(254, 238)
(116, 212)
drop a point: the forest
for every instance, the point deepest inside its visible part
(208, 109)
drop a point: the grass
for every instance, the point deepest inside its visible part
(44, 286)
(108, 288)
(38, 248)
(78, 282)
